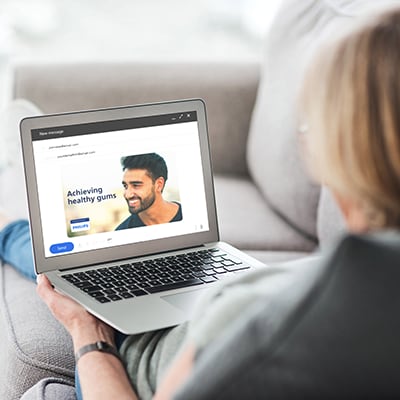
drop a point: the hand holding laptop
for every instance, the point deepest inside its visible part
(71, 314)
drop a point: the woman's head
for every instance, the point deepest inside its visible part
(351, 102)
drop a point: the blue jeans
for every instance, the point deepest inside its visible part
(16, 250)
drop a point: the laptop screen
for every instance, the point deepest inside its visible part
(125, 181)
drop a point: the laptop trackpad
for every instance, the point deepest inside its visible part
(184, 301)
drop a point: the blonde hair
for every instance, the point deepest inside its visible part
(351, 100)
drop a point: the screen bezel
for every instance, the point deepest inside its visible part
(126, 251)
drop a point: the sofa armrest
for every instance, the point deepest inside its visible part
(33, 345)
(229, 91)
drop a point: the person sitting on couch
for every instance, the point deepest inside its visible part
(351, 136)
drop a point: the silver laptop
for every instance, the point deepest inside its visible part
(122, 211)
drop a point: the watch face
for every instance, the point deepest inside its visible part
(103, 346)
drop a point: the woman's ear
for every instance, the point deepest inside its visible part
(353, 213)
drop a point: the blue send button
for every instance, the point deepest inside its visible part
(61, 247)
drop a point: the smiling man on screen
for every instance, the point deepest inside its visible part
(144, 180)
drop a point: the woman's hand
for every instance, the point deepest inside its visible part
(82, 326)
(102, 376)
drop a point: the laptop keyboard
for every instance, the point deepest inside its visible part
(152, 276)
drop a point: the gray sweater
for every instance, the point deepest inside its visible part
(148, 355)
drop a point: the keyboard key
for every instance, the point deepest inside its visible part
(97, 281)
(217, 265)
(114, 297)
(187, 277)
(107, 285)
(92, 288)
(177, 278)
(208, 279)
(131, 287)
(103, 299)
(138, 293)
(234, 260)
(237, 267)
(96, 294)
(70, 278)
(175, 285)
(82, 276)
(166, 280)
(127, 295)
(220, 270)
(120, 290)
(83, 284)
(210, 272)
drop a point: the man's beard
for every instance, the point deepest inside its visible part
(144, 204)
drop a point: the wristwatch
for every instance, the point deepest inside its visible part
(103, 347)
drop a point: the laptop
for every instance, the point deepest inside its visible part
(138, 260)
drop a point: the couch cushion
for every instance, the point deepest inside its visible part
(32, 343)
(273, 157)
(50, 389)
(11, 164)
(247, 222)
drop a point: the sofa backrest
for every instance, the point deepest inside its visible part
(274, 160)
(229, 90)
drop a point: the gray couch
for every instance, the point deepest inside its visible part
(267, 206)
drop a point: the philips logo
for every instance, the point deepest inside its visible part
(80, 225)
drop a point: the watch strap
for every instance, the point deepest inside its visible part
(103, 347)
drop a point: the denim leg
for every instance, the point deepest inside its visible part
(16, 248)
(78, 389)
(119, 338)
